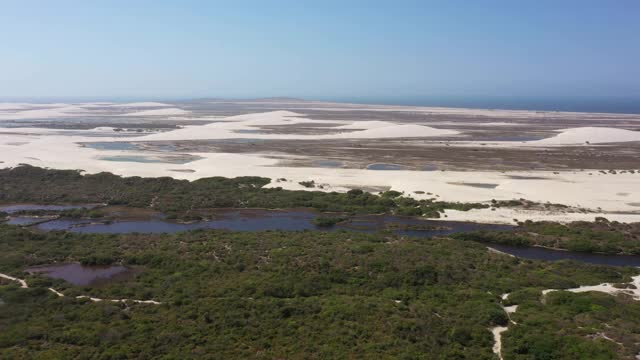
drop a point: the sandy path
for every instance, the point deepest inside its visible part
(498, 330)
(23, 284)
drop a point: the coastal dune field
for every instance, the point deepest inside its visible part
(586, 162)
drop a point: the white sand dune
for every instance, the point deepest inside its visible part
(266, 119)
(469, 112)
(592, 135)
(94, 104)
(265, 115)
(366, 125)
(55, 112)
(23, 105)
(159, 112)
(141, 104)
(14, 106)
(510, 215)
(395, 131)
(232, 128)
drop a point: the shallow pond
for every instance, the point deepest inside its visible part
(384, 166)
(78, 274)
(111, 146)
(328, 163)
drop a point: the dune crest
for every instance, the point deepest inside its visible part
(592, 135)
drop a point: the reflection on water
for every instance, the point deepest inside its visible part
(78, 274)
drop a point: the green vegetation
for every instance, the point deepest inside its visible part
(308, 184)
(299, 295)
(181, 199)
(527, 204)
(328, 221)
(68, 213)
(564, 325)
(600, 236)
(294, 295)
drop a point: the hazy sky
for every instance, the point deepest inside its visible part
(319, 48)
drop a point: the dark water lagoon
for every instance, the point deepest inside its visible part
(538, 253)
(262, 220)
(302, 219)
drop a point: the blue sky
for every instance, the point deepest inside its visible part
(169, 49)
